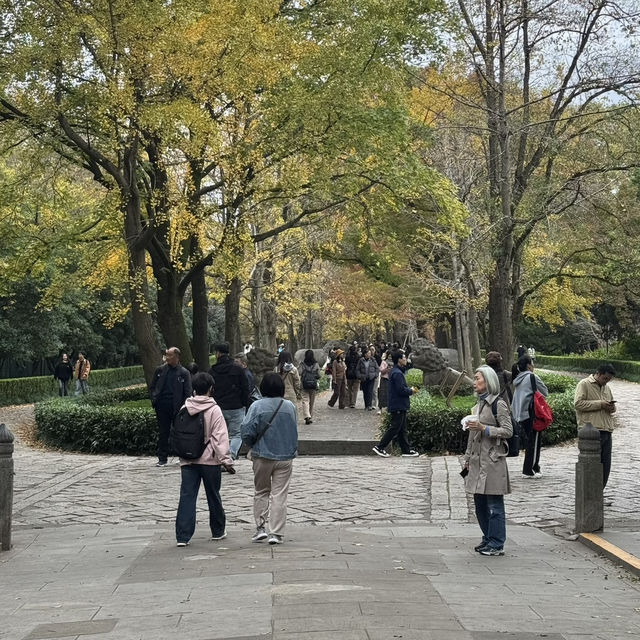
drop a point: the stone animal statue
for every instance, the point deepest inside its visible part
(260, 361)
(320, 355)
(434, 366)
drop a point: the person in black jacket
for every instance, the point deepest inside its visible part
(170, 387)
(63, 373)
(353, 382)
(231, 392)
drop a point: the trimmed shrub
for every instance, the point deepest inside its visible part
(557, 383)
(76, 426)
(23, 390)
(435, 428)
(414, 377)
(625, 369)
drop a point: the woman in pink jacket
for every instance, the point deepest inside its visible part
(206, 468)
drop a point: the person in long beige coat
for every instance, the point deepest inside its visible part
(486, 461)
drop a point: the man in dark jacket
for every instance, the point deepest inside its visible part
(231, 392)
(170, 387)
(398, 405)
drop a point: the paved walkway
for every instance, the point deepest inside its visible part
(94, 551)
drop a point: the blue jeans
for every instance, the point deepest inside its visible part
(234, 418)
(189, 487)
(82, 387)
(491, 518)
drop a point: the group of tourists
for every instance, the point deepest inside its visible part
(64, 372)
(506, 405)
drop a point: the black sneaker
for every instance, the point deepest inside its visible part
(491, 551)
(161, 463)
(480, 547)
(381, 452)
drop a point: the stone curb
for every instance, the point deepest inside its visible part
(618, 555)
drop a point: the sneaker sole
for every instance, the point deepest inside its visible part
(260, 539)
(274, 542)
(382, 454)
(222, 537)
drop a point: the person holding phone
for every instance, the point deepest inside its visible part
(594, 403)
(485, 460)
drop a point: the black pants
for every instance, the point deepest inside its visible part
(605, 455)
(533, 442)
(367, 392)
(165, 417)
(397, 430)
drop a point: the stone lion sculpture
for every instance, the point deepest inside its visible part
(434, 366)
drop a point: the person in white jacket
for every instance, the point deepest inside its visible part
(206, 468)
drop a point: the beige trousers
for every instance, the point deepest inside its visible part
(271, 481)
(353, 386)
(308, 400)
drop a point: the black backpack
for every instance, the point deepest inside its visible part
(186, 437)
(309, 380)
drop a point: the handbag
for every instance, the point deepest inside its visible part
(540, 411)
(249, 455)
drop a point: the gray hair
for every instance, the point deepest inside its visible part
(490, 378)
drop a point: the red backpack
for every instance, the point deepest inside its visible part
(542, 414)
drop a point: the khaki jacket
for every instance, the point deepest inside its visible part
(486, 455)
(587, 403)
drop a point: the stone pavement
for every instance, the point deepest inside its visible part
(94, 552)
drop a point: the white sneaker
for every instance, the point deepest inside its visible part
(274, 538)
(181, 544)
(222, 537)
(528, 477)
(537, 474)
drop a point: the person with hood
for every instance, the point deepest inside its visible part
(270, 429)
(522, 412)
(231, 392)
(485, 460)
(309, 371)
(63, 373)
(290, 377)
(206, 468)
(338, 373)
(368, 371)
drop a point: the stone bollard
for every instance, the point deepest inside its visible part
(589, 501)
(6, 487)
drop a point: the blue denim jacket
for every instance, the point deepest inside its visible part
(280, 442)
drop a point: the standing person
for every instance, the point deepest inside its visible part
(522, 411)
(206, 468)
(339, 373)
(81, 372)
(309, 371)
(386, 365)
(494, 360)
(377, 355)
(521, 351)
(328, 371)
(399, 394)
(170, 387)
(231, 392)
(290, 377)
(353, 382)
(594, 403)
(367, 373)
(486, 461)
(63, 373)
(241, 360)
(270, 429)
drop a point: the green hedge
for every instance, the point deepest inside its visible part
(80, 426)
(23, 390)
(435, 428)
(625, 369)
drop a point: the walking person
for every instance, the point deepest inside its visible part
(485, 461)
(169, 389)
(231, 392)
(525, 384)
(205, 469)
(270, 429)
(368, 371)
(63, 373)
(290, 377)
(339, 375)
(81, 372)
(399, 403)
(594, 403)
(309, 371)
(353, 382)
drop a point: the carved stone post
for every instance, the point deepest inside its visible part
(6, 487)
(589, 501)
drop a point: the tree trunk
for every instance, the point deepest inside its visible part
(459, 343)
(474, 338)
(200, 320)
(232, 316)
(500, 321)
(263, 312)
(170, 317)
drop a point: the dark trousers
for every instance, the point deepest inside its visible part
(605, 455)
(339, 393)
(165, 416)
(192, 474)
(533, 442)
(62, 387)
(367, 392)
(397, 430)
